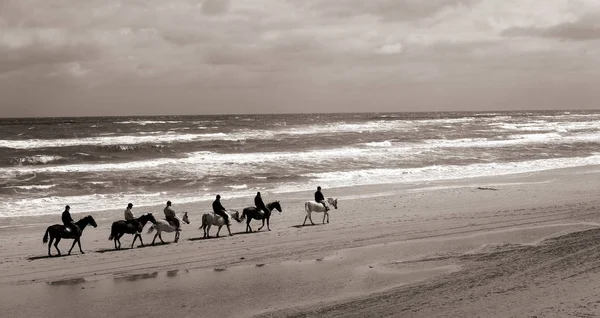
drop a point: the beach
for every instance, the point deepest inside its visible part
(521, 245)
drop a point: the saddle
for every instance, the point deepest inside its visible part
(68, 231)
(172, 223)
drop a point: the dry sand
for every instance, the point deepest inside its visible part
(510, 246)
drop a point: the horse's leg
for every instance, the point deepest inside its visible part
(50, 245)
(72, 245)
(141, 242)
(229, 230)
(118, 238)
(219, 230)
(135, 236)
(160, 237)
(263, 225)
(204, 228)
(310, 218)
(56, 245)
(248, 228)
(176, 236)
(324, 215)
(208, 230)
(268, 228)
(305, 218)
(79, 244)
(327, 217)
(155, 236)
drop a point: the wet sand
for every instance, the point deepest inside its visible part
(523, 245)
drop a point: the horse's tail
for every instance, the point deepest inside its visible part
(45, 239)
(113, 232)
(204, 220)
(151, 229)
(307, 206)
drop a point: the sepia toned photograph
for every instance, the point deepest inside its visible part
(299, 158)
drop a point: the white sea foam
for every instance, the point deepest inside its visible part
(104, 202)
(148, 122)
(199, 163)
(450, 172)
(36, 187)
(112, 140)
(38, 159)
(240, 135)
(383, 144)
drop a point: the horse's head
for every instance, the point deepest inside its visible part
(150, 217)
(235, 215)
(275, 205)
(185, 218)
(332, 201)
(91, 221)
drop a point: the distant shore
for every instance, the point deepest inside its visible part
(460, 247)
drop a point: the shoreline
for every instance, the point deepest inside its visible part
(238, 203)
(383, 242)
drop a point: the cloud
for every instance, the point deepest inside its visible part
(213, 7)
(582, 30)
(294, 53)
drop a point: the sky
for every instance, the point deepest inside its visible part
(161, 57)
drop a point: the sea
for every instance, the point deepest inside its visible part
(103, 163)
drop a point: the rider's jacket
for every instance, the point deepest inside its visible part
(169, 213)
(319, 196)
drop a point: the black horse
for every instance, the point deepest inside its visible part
(119, 228)
(59, 231)
(254, 213)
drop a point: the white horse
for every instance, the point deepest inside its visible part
(210, 219)
(312, 206)
(164, 226)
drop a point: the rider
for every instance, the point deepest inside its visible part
(170, 215)
(260, 205)
(320, 198)
(68, 220)
(220, 210)
(130, 218)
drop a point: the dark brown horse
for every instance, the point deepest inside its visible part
(58, 232)
(254, 213)
(119, 228)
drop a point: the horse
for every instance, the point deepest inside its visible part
(312, 206)
(164, 226)
(59, 231)
(211, 218)
(121, 227)
(254, 213)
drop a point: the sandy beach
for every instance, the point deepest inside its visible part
(509, 246)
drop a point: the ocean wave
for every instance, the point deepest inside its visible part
(35, 160)
(234, 163)
(35, 187)
(377, 144)
(148, 122)
(113, 141)
(143, 202)
(278, 132)
(447, 172)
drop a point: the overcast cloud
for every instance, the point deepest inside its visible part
(139, 57)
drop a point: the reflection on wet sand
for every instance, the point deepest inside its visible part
(136, 277)
(72, 281)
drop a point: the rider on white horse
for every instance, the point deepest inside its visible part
(320, 198)
(130, 218)
(260, 205)
(170, 216)
(220, 210)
